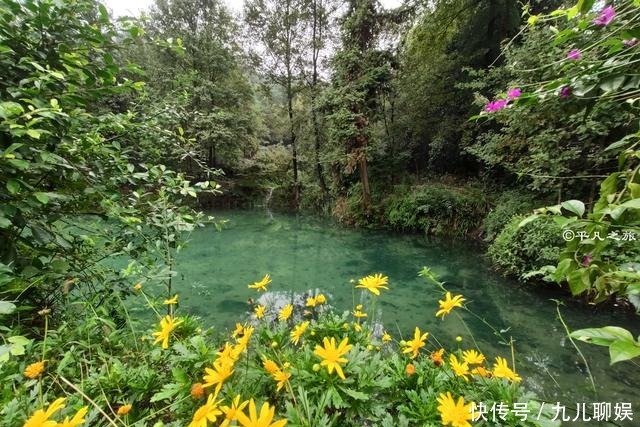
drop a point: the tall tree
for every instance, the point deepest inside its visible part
(277, 26)
(319, 23)
(448, 39)
(360, 70)
(209, 77)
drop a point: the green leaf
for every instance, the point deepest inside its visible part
(13, 186)
(621, 143)
(168, 391)
(42, 197)
(579, 281)
(528, 219)
(19, 163)
(7, 307)
(623, 350)
(602, 336)
(34, 133)
(358, 395)
(633, 204)
(574, 206)
(584, 6)
(10, 109)
(19, 340)
(612, 83)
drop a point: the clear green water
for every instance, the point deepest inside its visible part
(303, 253)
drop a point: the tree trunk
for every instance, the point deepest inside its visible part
(292, 138)
(364, 179)
(292, 135)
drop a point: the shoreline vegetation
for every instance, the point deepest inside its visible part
(447, 117)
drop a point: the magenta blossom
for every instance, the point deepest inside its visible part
(586, 260)
(606, 16)
(494, 106)
(574, 54)
(514, 93)
(565, 92)
(630, 42)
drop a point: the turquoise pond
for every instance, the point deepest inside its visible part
(303, 254)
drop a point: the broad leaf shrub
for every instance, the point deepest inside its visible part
(519, 250)
(508, 204)
(437, 209)
(302, 365)
(73, 190)
(594, 65)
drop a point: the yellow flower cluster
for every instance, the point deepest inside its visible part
(222, 369)
(316, 300)
(358, 313)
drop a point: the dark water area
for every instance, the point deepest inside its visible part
(303, 254)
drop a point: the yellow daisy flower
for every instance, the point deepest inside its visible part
(449, 304)
(452, 413)
(263, 420)
(332, 356)
(259, 311)
(231, 412)
(222, 370)
(297, 332)
(286, 312)
(374, 283)
(167, 325)
(171, 301)
(473, 357)
(206, 413)
(40, 418)
(413, 346)
(461, 369)
(501, 370)
(262, 284)
(124, 409)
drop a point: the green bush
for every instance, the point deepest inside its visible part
(517, 251)
(510, 203)
(437, 209)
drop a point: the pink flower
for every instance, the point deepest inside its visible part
(494, 106)
(630, 42)
(586, 260)
(514, 93)
(606, 16)
(574, 54)
(565, 92)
